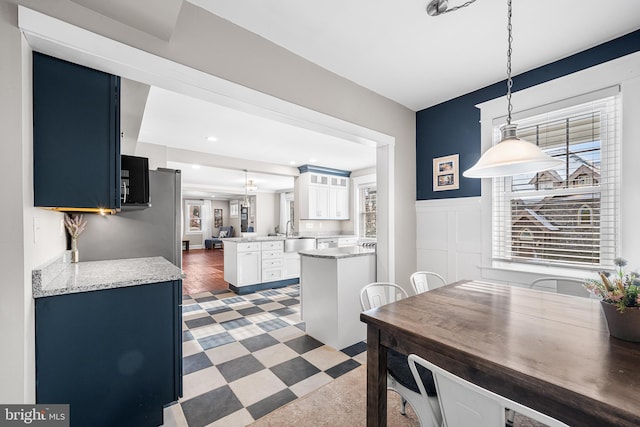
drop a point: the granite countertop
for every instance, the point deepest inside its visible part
(253, 239)
(272, 238)
(338, 253)
(60, 278)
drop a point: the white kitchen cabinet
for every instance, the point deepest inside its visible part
(330, 294)
(252, 265)
(272, 261)
(319, 202)
(339, 203)
(247, 268)
(323, 196)
(291, 265)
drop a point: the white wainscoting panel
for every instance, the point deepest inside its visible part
(449, 237)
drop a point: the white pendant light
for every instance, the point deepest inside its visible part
(512, 155)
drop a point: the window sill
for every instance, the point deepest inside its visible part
(541, 270)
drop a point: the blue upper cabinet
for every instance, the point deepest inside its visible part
(76, 136)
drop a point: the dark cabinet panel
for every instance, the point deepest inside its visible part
(114, 355)
(76, 135)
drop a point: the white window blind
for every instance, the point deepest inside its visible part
(566, 216)
(367, 211)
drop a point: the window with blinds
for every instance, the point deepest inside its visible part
(367, 211)
(566, 216)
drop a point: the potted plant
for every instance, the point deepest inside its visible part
(619, 295)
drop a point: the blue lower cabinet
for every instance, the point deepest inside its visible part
(115, 355)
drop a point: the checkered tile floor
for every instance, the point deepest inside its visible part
(245, 356)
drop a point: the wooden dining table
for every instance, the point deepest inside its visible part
(550, 352)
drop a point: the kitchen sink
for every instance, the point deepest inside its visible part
(295, 244)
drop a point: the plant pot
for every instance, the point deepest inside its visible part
(626, 325)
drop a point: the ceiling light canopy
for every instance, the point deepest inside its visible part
(250, 186)
(438, 7)
(512, 155)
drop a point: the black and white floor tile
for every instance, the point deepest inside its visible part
(245, 356)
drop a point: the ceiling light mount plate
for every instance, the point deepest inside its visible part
(437, 7)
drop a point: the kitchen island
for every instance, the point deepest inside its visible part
(109, 339)
(256, 263)
(330, 284)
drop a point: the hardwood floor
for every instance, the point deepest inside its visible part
(204, 269)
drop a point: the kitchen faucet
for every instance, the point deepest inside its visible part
(286, 230)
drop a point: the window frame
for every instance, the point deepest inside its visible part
(504, 243)
(574, 89)
(358, 182)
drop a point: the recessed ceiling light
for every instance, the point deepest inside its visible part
(313, 160)
(195, 166)
(292, 162)
(212, 138)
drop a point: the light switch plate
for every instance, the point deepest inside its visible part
(36, 229)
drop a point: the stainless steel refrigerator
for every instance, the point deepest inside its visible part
(137, 232)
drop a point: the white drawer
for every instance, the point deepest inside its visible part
(270, 263)
(271, 254)
(275, 245)
(248, 246)
(272, 274)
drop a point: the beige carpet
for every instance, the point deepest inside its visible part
(342, 402)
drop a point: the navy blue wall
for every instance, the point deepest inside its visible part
(454, 126)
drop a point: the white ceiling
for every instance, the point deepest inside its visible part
(224, 184)
(160, 22)
(395, 49)
(179, 121)
(388, 46)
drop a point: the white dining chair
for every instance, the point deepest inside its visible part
(464, 404)
(561, 285)
(375, 295)
(423, 281)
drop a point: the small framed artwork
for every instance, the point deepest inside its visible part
(233, 209)
(217, 218)
(195, 219)
(445, 173)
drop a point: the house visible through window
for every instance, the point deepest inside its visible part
(585, 215)
(367, 211)
(565, 216)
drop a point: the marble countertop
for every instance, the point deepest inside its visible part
(60, 278)
(338, 253)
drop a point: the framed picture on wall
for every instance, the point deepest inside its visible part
(445, 173)
(195, 217)
(233, 209)
(217, 218)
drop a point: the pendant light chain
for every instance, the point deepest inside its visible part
(453, 9)
(439, 7)
(509, 81)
